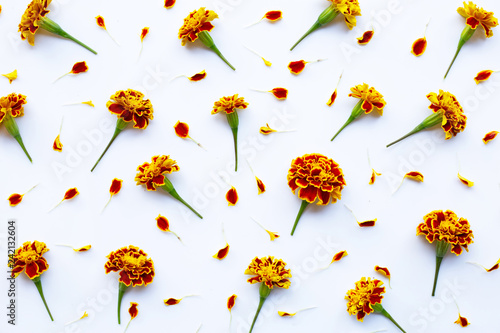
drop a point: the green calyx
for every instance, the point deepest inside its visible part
(233, 120)
(356, 112)
(169, 188)
(431, 121)
(38, 284)
(378, 308)
(464, 37)
(208, 41)
(325, 17)
(264, 292)
(51, 26)
(442, 248)
(13, 129)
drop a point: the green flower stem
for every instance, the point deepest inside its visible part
(169, 188)
(207, 40)
(264, 292)
(122, 287)
(380, 309)
(325, 17)
(441, 249)
(356, 112)
(434, 119)
(120, 125)
(11, 126)
(464, 37)
(53, 27)
(233, 120)
(301, 210)
(38, 284)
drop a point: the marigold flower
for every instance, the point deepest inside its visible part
(197, 25)
(366, 38)
(83, 248)
(490, 136)
(447, 111)
(114, 189)
(11, 76)
(35, 17)
(270, 273)
(369, 99)
(349, 8)
(474, 16)
(366, 298)
(29, 258)
(318, 179)
(11, 106)
(134, 267)
(448, 231)
(163, 224)
(153, 176)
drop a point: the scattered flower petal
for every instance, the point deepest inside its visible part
(267, 130)
(181, 129)
(465, 181)
(172, 301)
(71, 193)
(133, 311)
(489, 136)
(232, 197)
(89, 103)
(79, 67)
(231, 302)
(57, 145)
(280, 93)
(494, 267)
(384, 271)
(338, 256)
(116, 186)
(85, 315)
(286, 314)
(169, 3)
(332, 98)
(462, 321)
(15, 199)
(369, 223)
(11, 76)
(162, 223)
(415, 175)
(198, 77)
(222, 253)
(366, 38)
(144, 33)
(373, 176)
(273, 15)
(83, 248)
(260, 185)
(100, 21)
(272, 235)
(419, 46)
(296, 67)
(483, 76)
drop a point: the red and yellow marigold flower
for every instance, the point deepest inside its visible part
(197, 26)
(29, 258)
(35, 17)
(130, 106)
(447, 111)
(474, 17)
(270, 273)
(12, 106)
(369, 99)
(349, 8)
(317, 179)
(134, 267)
(366, 298)
(449, 232)
(153, 176)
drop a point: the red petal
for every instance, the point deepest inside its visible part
(116, 186)
(181, 129)
(296, 67)
(79, 67)
(169, 3)
(332, 98)
(419, 46)
(231, 301)
(15, 199)
(489, 136)
(232, 196)
(260, 186)
(172, 301)
(366, 38)
(198, 77)
(280, 93)
(71, 193)
(133, 310)
(483, 76)
(100, 21)
(472, 22)
(339, 256)
(222, 253)
(369, 223)
(162, 223)
(273, 15)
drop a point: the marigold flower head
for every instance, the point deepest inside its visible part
(371, 98)
(197, 21)
(446, 226)
(36, 11)
(454, 120)
(29, 258)
(361, 299)
(12, 105)
(349, 8)
(130, 105)
(478, 16)
(135, 267)
(152, 174)
(229, 104)
(270, 271)
(317, 177)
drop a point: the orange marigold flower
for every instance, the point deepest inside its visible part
(419, 46)
(362, 299)
(476, 16)
(232, 197)
(152, 174)
(197, 21)
(454, 120)
(483, 76)
(366, 38)
(133, 265)
(30, 22)
(269, 271)
(229, 104)
(370, 97)
(489, 136)
(12, 105)
(130, 105)
(29, 258)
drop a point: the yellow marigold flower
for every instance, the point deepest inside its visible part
(366, 298)
(447, 111)
(270, 273)
(12, 106)
(448, 231)
(349, 8)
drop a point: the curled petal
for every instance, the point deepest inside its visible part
(465, 181)
(280, 93)
(415, 175)
(272, 235)
(266, 130)
(366, 38)
(419, 46)
(338, 256)
(231, 301)
(79, 67)
(232, 197)
(133, 311)
(373, 176)
(332, 98)
(483, 76)
(384, 271)
(296, 67)
(489, 136)
(286, 314)
(222, 253)
(15, 199)
(198, 77)
(83, 248)
(116, 186)
(369, 223)
(100, 22)
(71, 193)
(172, 301)
(57, 145)
(144, 33)
(273, 15)
(260, 185)
(462, 321)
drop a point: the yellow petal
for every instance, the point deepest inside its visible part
(11, 76)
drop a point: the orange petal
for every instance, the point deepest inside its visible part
(100, 21)
(369, 223)
(366, 38)
(332, 98)
(198, 77)
(339, 256)
(79, 67)
(181, 129)
(71, 193)
(415, 175)
(57, 145)
(144, 33)
(280, 93)
(11, 76)
(286, 314)
(231, 301)
(296, 67)
(489, 136)
(273, 15)
(169, 3)
(15, 199)
(383, 270)
(133, 310)
(83, 248)
(260, 185)
(116, 186)
(373, 176)
(222, 253)
(266, 130)
(462, 321)
(232, 197)
(419, 46)
(172, 301)
(162, 223)
(465, 181)
(483, 76)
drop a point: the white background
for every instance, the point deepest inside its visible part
(76, 282)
